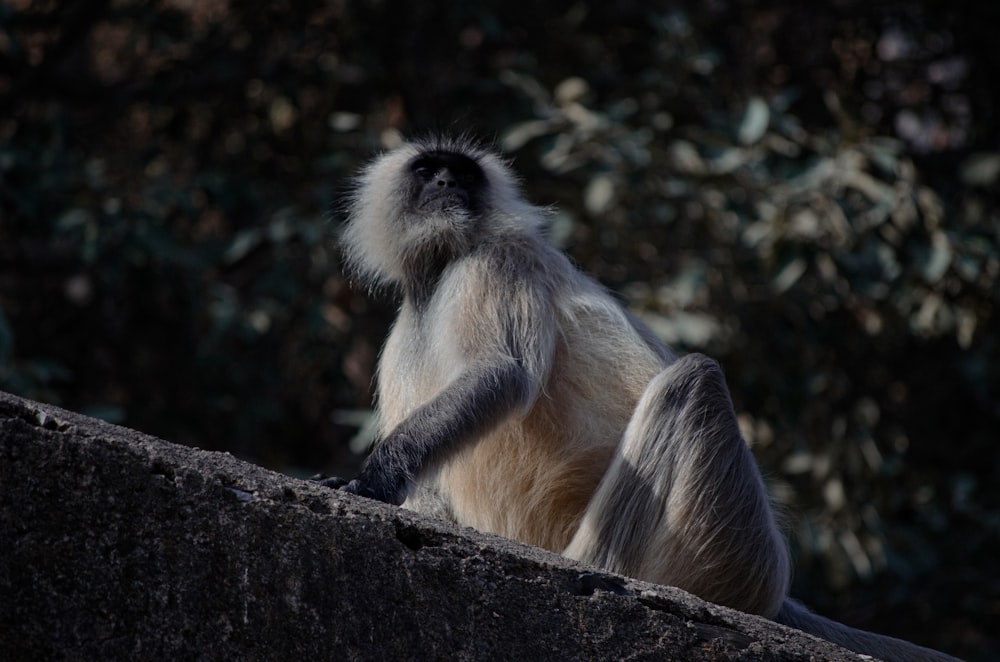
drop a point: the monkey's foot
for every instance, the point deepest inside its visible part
(333, 482)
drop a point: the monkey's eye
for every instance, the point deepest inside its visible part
(467, 176)
(465, 171)
(425, 169)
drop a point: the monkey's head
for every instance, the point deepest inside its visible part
(425, 203)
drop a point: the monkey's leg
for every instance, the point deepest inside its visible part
(683, 502)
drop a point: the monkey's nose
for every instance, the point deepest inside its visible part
(445, 178)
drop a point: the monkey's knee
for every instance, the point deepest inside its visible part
(691, 426)
(691, 391)
(693, 376)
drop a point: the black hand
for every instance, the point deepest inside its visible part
(378, 484)
(333, 482)
(371, 484)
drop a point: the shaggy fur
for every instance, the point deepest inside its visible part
(516, 396)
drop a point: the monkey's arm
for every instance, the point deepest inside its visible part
(471, 404)
(497, 337)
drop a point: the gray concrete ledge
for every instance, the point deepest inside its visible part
(117, 545)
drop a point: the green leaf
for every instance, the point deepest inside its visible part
(756, 117)
(520, 134)
(599, 195)
(938, 257)
(242, 244)
(789, 275)
(981, 169)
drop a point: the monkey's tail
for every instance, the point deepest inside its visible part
(794, 614)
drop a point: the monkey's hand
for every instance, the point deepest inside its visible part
(357, 486)
(388, 474)
(373, 483)
(376, 482)
(333, 482)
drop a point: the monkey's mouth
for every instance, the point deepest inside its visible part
(444, 200)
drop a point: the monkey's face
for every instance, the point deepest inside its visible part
(426, 203)
(446, 181)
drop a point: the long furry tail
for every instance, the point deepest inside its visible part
(794, 614)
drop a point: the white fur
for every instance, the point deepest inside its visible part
(607, 447)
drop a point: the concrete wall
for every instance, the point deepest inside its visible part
(117, 545)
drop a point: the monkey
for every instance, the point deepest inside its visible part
(518, 396)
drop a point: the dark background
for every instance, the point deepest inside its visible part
(809, 195)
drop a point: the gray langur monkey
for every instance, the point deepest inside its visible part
(518, 397)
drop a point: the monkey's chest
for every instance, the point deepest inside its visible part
(421, 356)
(517, 483)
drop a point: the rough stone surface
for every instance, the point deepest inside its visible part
(117, 545)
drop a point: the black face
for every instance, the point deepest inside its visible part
(446, 180)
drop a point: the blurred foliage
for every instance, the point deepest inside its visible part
(809, 195)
